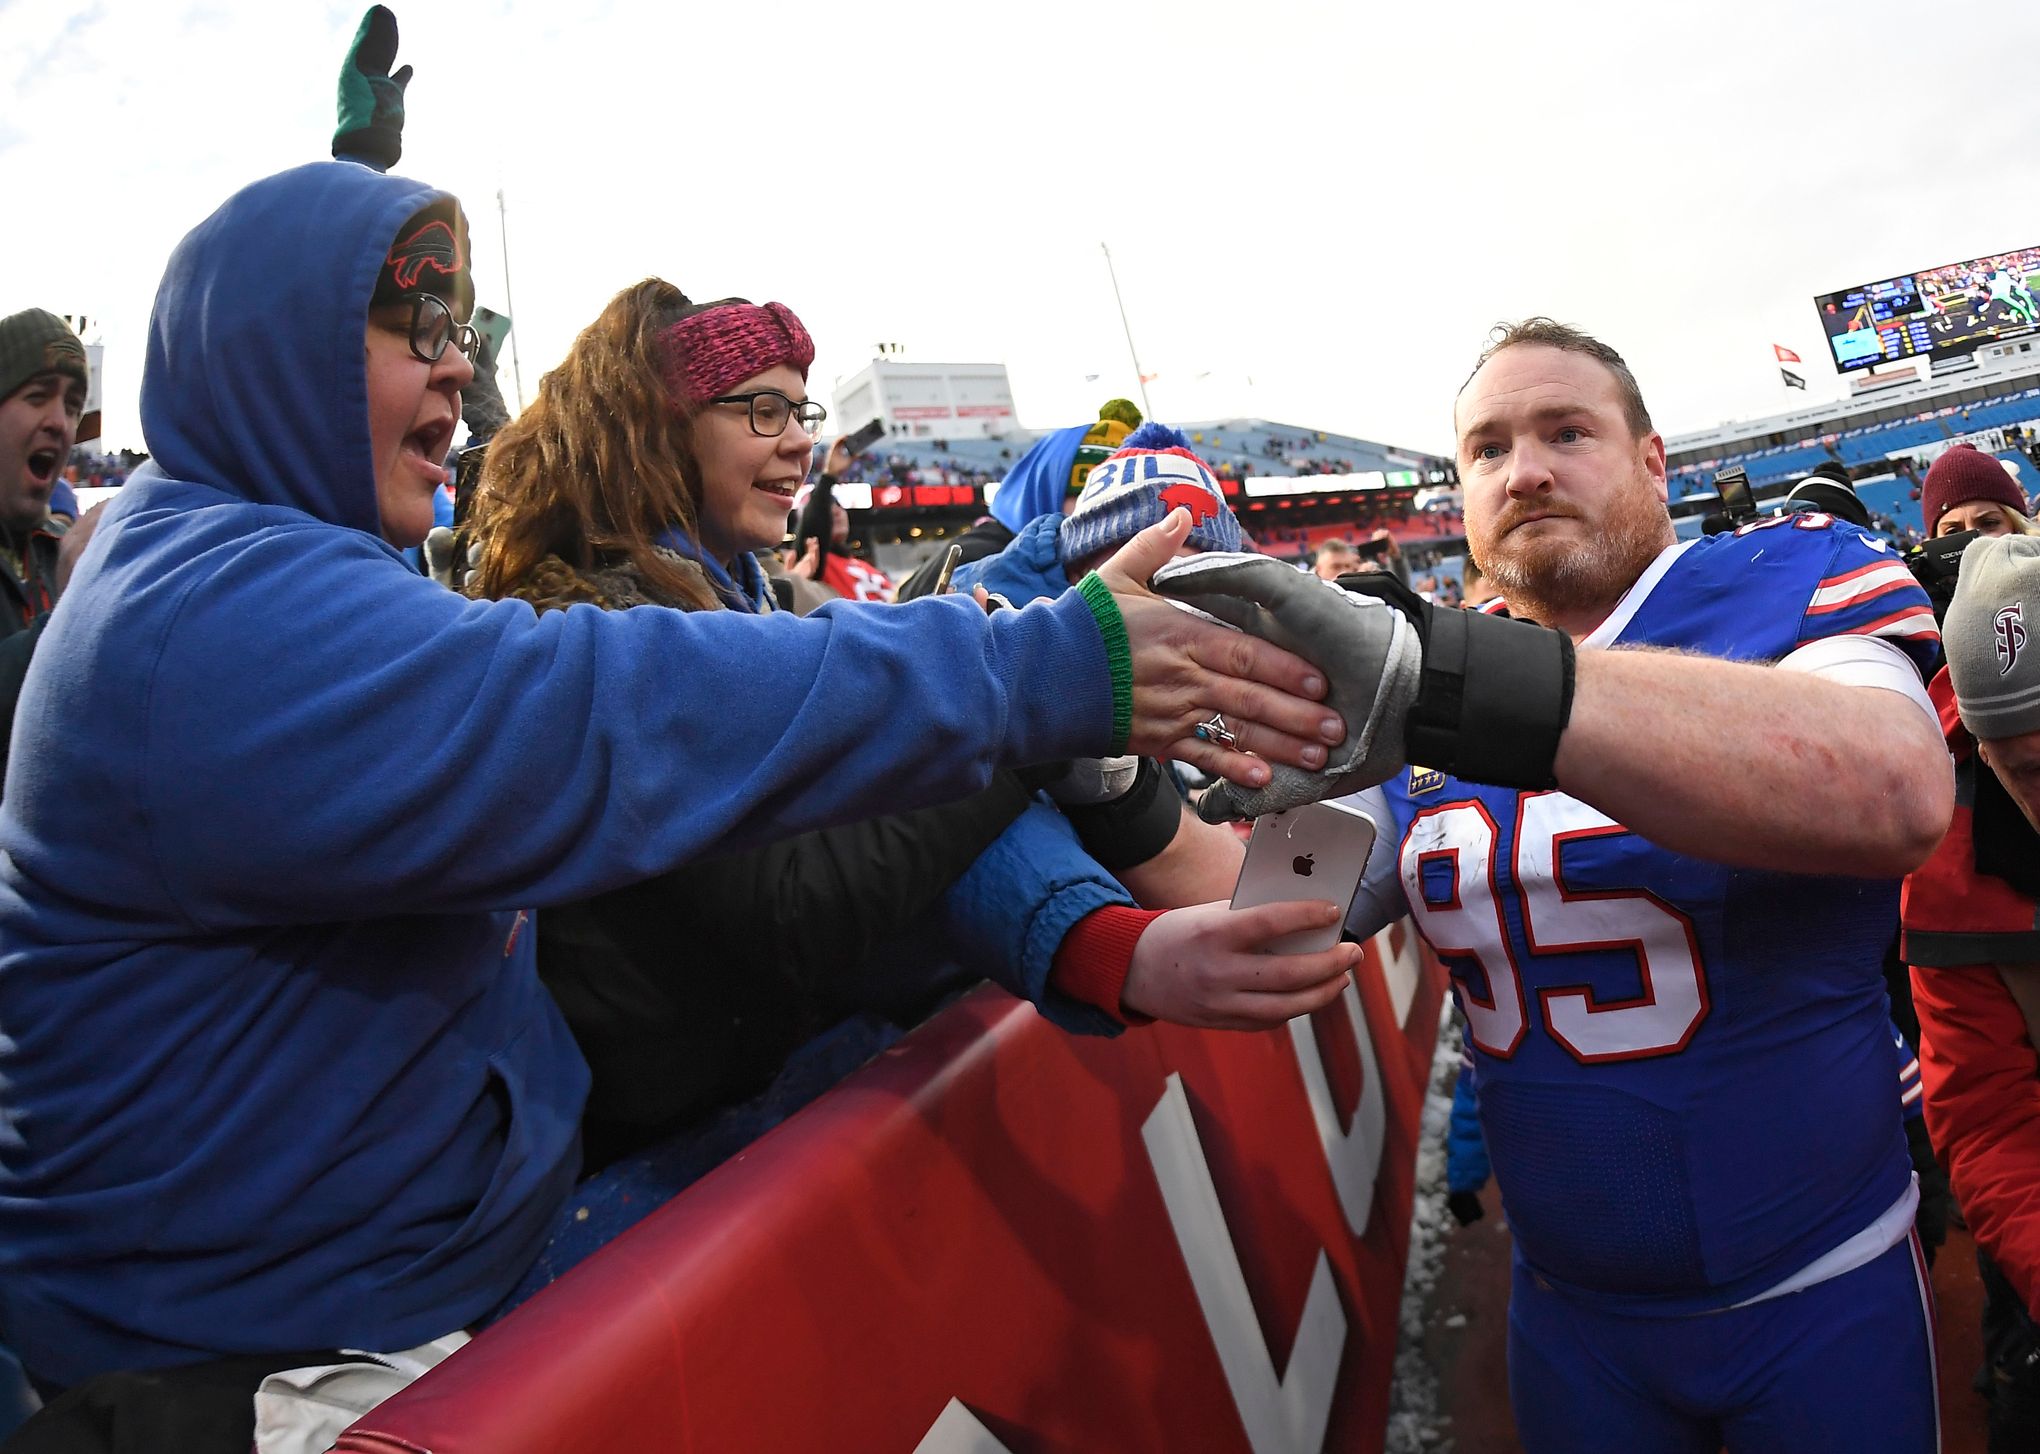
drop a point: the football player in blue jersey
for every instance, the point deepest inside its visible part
(1654, 819)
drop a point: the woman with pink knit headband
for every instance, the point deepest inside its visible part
(688, 990)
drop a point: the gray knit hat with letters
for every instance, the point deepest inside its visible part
(1992, 637)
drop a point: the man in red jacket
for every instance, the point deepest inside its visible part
(1972, 936)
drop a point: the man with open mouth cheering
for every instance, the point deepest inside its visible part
(42, 396)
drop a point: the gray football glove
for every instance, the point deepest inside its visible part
(443, 562)
(1370, 654)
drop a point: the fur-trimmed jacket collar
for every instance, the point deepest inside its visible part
(556, 585)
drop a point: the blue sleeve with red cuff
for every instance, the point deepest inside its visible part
(1013, 907)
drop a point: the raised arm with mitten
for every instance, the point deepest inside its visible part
(370, 127)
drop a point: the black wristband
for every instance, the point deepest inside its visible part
(1133, 827)
(1493, 701)
(1494, 697)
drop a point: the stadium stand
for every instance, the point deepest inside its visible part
(924, 490)
(1859, 432)
(1238, 447)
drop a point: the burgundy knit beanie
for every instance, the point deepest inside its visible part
(1964, 473)
(718, 345)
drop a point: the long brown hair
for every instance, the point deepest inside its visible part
(599, 465)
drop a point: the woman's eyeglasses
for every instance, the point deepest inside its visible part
(770, 411)
(433, 327)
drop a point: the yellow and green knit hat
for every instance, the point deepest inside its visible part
(1117, 418)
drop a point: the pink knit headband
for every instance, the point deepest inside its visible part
(708, 353)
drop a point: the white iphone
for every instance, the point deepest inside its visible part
(1317, 851)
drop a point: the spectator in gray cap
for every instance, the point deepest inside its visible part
(43, 376)
(1992, 664)
(1971, 938)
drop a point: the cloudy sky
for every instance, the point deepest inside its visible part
(1316, 209)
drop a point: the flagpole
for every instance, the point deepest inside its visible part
(1146, 408)
(510, 307)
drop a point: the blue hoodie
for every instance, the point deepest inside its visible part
(277, 1071)
(1039, 479)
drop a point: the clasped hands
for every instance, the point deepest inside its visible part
(1312, 682)
(1323, 689)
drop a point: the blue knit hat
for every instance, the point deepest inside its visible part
(1153, 472)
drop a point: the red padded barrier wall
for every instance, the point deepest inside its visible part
(997, 1235)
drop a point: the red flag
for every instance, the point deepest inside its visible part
(1785, 355)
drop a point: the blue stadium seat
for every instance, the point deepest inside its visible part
(1865, 444)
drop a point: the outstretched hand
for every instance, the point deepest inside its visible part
(370, 128)
(1202, 966)
(1186, 668)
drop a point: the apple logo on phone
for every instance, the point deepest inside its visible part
(1302, 865)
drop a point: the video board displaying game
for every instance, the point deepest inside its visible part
(1952, 309)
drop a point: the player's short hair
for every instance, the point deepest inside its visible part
(1562, 336)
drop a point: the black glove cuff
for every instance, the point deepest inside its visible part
(1493, 701)
(376, 145)
(1133, 827)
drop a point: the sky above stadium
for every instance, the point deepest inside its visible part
(1316, 210)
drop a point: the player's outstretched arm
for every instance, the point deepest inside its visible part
(1757, 766)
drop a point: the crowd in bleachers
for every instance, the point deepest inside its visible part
(1864, 444)
(939, 466)
(93, 470)
(1234, 449)
(1403, 521)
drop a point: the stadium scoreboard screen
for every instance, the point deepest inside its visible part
(1952, 309)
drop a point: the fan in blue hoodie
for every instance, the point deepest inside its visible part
(277, 1071)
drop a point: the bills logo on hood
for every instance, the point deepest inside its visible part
(433, 246)
(2010, 627)
(1194, 498)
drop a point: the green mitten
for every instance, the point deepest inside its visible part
(371, 125)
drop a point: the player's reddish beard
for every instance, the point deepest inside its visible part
(1551, 578)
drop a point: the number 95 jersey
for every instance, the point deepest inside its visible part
(1684, 1068)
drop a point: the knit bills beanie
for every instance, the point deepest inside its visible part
(1153, 472)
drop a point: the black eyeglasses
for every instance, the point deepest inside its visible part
(770, 411)
(433, 326)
